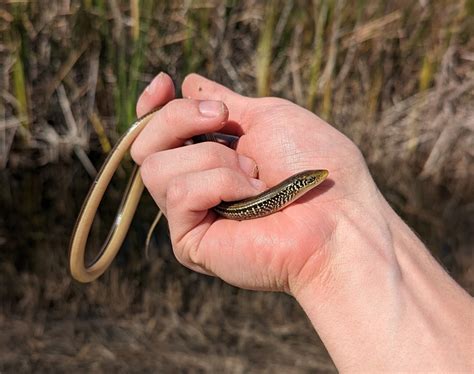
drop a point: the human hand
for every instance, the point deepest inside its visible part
(369, 286)
(279, 252)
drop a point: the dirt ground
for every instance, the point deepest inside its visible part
(396, 77)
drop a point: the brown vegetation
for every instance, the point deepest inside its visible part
(396, 76)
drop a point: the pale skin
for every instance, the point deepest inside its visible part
(372, 291)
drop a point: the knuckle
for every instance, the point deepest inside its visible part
(218, 155)
(176, 192)
(225, 178)
(172, 111)
(167, 112)
(179, 253)
(149, 168)
(136, 153)
(193, 255)
(186, 251)
(184, 255)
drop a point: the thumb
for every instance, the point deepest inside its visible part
(197, 87)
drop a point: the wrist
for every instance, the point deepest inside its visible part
(360, 249)
(379, 300)
(358, 268)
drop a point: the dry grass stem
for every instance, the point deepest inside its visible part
(372, 30)
(264, 50)
(396, 77)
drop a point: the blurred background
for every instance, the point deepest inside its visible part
(396, 76)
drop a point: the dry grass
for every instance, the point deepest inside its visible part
(397, 77)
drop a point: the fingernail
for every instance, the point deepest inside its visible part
(257, 183)
(151, 88)
(210, 108)
(248, 165)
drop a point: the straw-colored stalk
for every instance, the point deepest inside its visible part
(264, 49)
(426, 72)
(100, 131)
(197, 24)
(335, 8)
(320, 17)
(135, 15)
(374, 93)
(20, 93)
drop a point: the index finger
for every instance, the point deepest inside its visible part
(157, 93)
